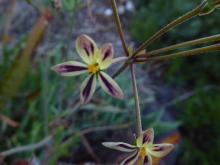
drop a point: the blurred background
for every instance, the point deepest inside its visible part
(39, 111)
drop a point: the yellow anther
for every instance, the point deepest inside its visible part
(94, 68)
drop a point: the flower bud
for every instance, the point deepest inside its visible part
(209, 7)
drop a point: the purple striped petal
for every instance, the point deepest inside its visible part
(120, 146)
(147, 137)
(86, 48)
(87, 89)
(110, 86)
(148, 160)
(107, 53)
(119, 59)
(161, 150)
(70, 68)
(131, 160)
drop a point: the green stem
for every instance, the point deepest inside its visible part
(119, 26)
(207, 49)
(121, 69)
(136, 97)
(185, 44)
(173, 24)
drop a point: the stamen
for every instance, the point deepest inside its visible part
(94, 68)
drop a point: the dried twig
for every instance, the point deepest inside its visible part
(8, 121)
(90, 149)
(27, 148)
(48, 139)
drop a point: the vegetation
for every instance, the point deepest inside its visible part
(41, 118)
(196, 75)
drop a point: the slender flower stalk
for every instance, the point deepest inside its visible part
(207, 49)
(149, 54)
(119, 26)
(134, 83)
(191, 14)
(143, 150)
(121, 69)
(137, 102)
(96, 61)
(200, 41)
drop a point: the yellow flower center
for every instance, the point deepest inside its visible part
(143, 152)
(94, 68)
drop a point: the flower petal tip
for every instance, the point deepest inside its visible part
(151, 130)
(86, 48)
(70, 68)
(82, 102)
(172, 146)
(121, 96)
(110, 86)
(161, 150)
(105, 144)
(55, 68)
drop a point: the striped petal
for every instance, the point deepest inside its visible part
(86, 48)
(110, 86)
(148, 160)
(70, 68)
(107, 53)
(131, 160)
(146, 138)
(161, 150)
(87, 89)
(120, 146)
(144, 160)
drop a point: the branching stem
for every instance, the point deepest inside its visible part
(173, 24)
(200, 41)
(197, 51)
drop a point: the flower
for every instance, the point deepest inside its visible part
(96, 60)
(143, 150)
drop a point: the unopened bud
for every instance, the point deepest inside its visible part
(210, 6)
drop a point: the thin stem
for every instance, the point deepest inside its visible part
(119, 26)
(8, 121)
(207, 49)
(178, 21)
(137, 104)
(27, 148)
(45, 99)
(49, 139)
(204, 40)
(121, 69)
